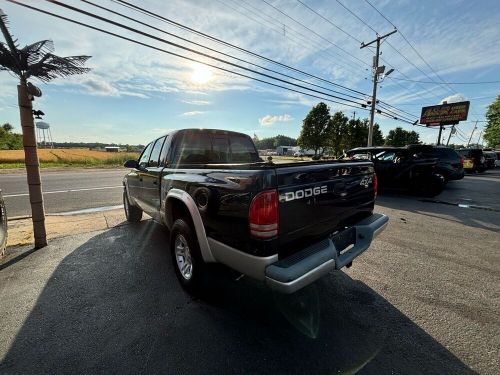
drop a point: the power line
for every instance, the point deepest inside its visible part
(212, 38)
(144, 11)
(371, 28)
(302, 40)
(355, 15)
(214, 50)
(315, 33)
(446, 83)
(175, 54)
(381, 14)
(193, 50)
(330, 22)
(356, 39)
(395, 49)
(411, 45)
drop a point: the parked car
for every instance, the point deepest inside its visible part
(3, 225)
(286, 224)
(401, 169)
(474, 160)
(450, 163)
(490, 159)
(497, 161)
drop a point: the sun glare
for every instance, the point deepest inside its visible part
(201, 74)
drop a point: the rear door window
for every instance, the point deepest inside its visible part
(155, 153)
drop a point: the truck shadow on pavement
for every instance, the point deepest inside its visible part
(113, 305)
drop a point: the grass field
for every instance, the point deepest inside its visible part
(66, 157)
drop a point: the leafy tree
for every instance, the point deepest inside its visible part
(273, 142)
(314, 133)
(337, 130)
(283, 140)
(357, 134)
(492, 130)
(34, 60)
(378, 136)
(399, 137)
(8, 139)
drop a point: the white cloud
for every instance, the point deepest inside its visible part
(100, 87)
(454, 98)
(269, 120)
(191, 113)
(197, 102)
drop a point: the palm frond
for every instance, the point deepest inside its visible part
(37, 59)
(52, 66)
(4, 21)
(8, 61)
(34, 52)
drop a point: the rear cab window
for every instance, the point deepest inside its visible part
(198, 147)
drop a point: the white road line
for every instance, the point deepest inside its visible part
(65, 191)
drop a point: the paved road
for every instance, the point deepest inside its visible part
(66, 190)
(424, 299)
(72, 190)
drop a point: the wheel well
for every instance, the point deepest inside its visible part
(177, 209)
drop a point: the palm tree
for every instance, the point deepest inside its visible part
(34, 61)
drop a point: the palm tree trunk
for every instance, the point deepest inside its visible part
(32, 165)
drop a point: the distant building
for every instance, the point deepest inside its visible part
(285, 150)
(112, 148)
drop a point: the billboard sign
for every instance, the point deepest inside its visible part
(444, 114)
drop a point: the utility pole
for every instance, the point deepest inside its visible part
(376, 71)
(452, 131)
(473, 130)
(354, 115)
(480, 134)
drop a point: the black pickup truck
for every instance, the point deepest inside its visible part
(285, 224)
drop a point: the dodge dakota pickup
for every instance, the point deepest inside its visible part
(285, 224)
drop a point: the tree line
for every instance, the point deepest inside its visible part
(8, 139)
(333, 134)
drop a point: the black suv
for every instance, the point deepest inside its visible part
(490, 157)
(474, 160)
(450, 163)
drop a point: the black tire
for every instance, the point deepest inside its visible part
(132, 213)
(183, 241)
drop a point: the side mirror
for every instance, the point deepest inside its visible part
(131, 164)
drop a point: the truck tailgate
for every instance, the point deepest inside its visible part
(318, 199)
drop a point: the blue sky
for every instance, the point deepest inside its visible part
(134, 94)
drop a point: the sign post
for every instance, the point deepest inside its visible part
(444, 114)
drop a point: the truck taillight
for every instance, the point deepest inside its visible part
(375, 184)
(263, 215)
(462, 160)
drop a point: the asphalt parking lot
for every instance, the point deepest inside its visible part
(423, 299)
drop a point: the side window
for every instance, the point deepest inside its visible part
(155, 153)
(164, 151)
(144, 159)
